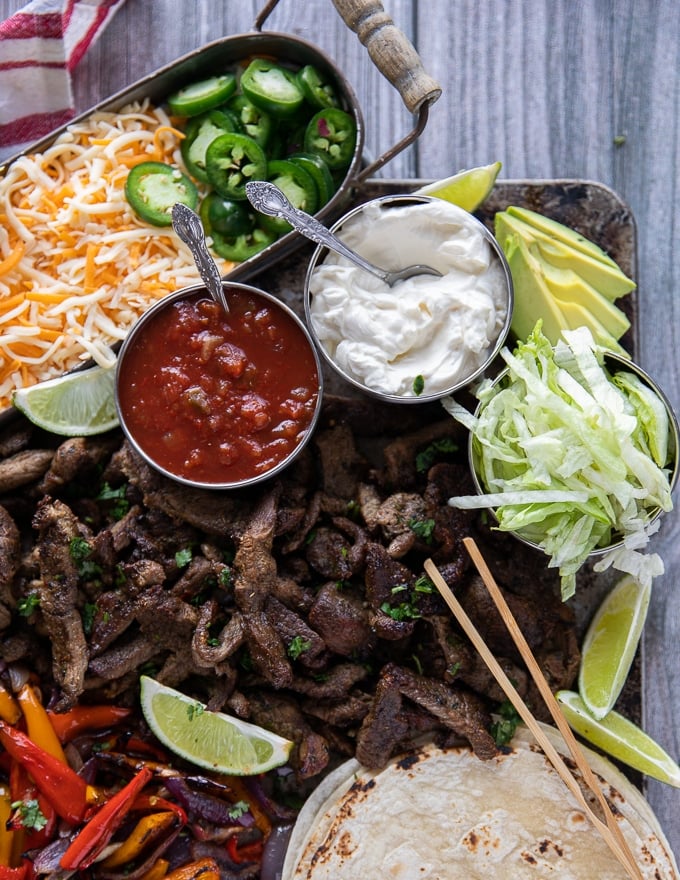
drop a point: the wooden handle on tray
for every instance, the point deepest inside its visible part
(390, 50)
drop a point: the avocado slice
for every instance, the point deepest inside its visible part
(568, 288)
(533, 299)
(562, 233)
(610, 281)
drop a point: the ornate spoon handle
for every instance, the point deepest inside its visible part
(188, 226)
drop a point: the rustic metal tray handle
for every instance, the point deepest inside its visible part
(395, 57)
(390, 50)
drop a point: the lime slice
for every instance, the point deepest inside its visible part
(75, 405)
(467, 189)
(621, 739)
(610, 644)
(211, 740)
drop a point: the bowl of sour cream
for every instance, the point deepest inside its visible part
(426, 337)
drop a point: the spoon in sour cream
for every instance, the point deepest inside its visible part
(269, 199)
(187, 224)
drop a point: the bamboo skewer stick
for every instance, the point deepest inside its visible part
(609, 830)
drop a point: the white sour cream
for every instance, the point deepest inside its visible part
(439, 328)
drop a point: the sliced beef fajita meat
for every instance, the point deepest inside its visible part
(341, 619)
(76, 458)
(334, 684)
(403, 468)
(254, 567)
(387, 584)
(57, 528)
(208, 649)
(341, 463)
(301, 641)
(213, 512)
(267, 650)
(454, 707)
(23, 468)
(10, 557)
(282, 714)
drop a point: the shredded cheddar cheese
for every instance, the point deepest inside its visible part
(77, 267)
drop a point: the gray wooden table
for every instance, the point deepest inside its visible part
(554, 89)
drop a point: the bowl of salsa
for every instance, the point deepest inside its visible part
(216, 399)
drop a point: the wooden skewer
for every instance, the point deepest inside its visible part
(609, 830)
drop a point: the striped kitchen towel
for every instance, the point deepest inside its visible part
(39, 47)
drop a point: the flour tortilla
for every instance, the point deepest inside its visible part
(443, 814)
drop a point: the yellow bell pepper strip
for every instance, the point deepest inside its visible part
(147, 831)
(6, 833)
(202, 869)
(242, 793)
(64, 789)
(93, 837)
(9, 710)
(83, 719)
(38, 725)
(154, 802)
(157, 871)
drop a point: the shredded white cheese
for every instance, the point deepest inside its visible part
(77, 267)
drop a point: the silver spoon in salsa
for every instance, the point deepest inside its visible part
(187, 224)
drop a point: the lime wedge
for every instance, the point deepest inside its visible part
(620, 738)
(467, 189)
(208, 739)
(75, 405)
(610, 644)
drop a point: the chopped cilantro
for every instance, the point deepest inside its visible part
(422, 528)
(238, 809)
(503, 730)
(454, 669)
(184, 557)
(298, 646)
(404, 611)
(28, 604)
(30, 814)
(80, 551)
(87, 615)
(426, 458)
(224, 577)
(194, 710)
(120, 505)
(424, 585)
(418, 385)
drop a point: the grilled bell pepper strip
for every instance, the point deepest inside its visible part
(232, 160)
(6, 832)
(38, 725)
(272, 87)
(93, 837)
(250, 852)
(156, 803)
(158, 870)
(203, 869)
(19, 873)
(146, 832)
(27, 802)
(64, 789)
(9, 710)
(331, 134)
(81, 719)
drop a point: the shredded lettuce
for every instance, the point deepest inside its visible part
(571, 457)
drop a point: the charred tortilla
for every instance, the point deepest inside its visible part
(445, 814)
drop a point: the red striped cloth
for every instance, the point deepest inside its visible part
(39, 47)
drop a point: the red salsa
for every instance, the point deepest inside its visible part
(214, 397)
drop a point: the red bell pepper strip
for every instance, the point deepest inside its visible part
(251, 852)
(68, 725)
(93, 837)
(14, 873)
(63, 788)
(23, 791)
(153, 802)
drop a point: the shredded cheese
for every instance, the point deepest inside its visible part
(77, 267)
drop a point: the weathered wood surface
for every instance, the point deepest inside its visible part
(554, 89)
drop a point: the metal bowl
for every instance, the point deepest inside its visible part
(395, 201)
(618, 362)
(136, 337)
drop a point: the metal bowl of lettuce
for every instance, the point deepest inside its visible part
(574, 450)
